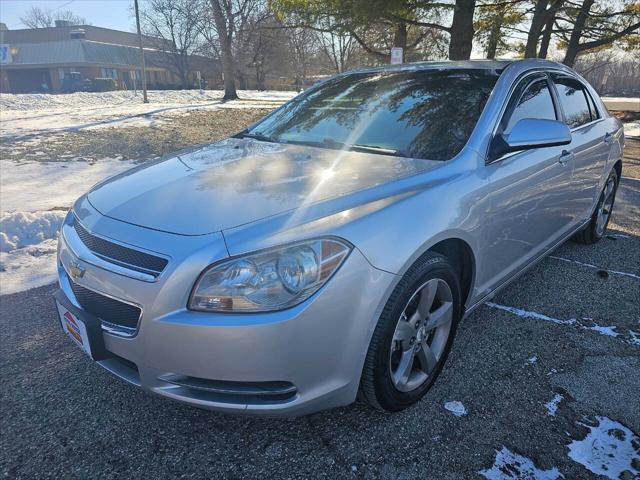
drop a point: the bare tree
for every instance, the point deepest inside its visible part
(222, 22)
(302, 46)
(175, 24)
(337, 45)
(37, 17)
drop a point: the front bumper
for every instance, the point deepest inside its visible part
(291, 362)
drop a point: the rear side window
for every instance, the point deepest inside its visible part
(592, 107)
(535, 102)
(573, 99)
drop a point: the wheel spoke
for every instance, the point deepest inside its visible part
(427, 295)
(608, 191)
(402, 373)
(404, 331)
(427, 358)
(441, 316)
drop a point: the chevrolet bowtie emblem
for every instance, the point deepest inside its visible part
(76, 271)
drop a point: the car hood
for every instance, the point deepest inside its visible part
(238, 181)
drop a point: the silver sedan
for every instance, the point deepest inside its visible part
(329, 251)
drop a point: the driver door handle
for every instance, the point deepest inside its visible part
(565, 156)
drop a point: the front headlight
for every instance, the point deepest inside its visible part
(273, 279)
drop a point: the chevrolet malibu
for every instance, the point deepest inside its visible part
(329, 251)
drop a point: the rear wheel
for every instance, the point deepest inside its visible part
(597, 226)
(413, 337)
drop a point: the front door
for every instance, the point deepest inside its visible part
(528, 212)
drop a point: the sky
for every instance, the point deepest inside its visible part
(114, 14)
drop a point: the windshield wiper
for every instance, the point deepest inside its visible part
(256, 136)
(356, 147)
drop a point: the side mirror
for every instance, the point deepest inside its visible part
(531, 133)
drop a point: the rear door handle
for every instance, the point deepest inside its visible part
(565, 157)
(608, 138)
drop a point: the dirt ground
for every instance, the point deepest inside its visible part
(160, 137)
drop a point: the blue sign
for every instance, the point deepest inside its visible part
(5, 54)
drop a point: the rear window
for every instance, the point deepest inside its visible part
(419, 114)
(573, 99)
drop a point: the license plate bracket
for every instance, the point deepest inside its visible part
(84, 329)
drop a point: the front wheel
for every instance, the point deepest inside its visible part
(414, 335)
(597, 226)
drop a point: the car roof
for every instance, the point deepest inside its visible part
(496, 65)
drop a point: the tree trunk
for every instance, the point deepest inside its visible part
(494, 38)
(537, 23)
(548, 29)
(400, 39)
(228, 69)
(574, 41)
(462, 30)
(225, 33)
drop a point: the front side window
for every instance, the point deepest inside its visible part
(573, 99)
(535, 102)
(425, 114)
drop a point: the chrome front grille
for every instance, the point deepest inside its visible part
(120, 255)
(116, 316)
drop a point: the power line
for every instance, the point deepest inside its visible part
(63, 5)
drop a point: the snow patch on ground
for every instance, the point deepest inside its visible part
(603, 330)
(632, 129)
(29, 267)
(589, 265)
(455, 407)
(532, 360)
(608, 331)
(552, 405)
(30, 114)
(35, 197)
(45, 101)
(36, 186)
(528, 314)
(512, 466)
(20, 229)
(609, 449)
(635, 338)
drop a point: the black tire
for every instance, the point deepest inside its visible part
(589, 234)
(376, 385)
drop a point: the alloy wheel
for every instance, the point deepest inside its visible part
(604, 211)
(421, 335)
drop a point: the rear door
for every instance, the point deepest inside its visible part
(528, 188)
(590, 143)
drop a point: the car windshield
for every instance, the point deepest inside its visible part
(426, 114)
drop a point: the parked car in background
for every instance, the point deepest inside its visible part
(330, 250)
(75, 82)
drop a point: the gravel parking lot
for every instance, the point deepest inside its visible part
(553, 360)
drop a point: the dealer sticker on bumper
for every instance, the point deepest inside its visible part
(74, 328)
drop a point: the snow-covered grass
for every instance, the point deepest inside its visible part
(42, 101)
(37, 186)
(34, 198)
(29, 114)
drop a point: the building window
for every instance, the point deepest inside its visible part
(61, 73)
(110, 73)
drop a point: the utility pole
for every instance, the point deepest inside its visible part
(144, 69)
